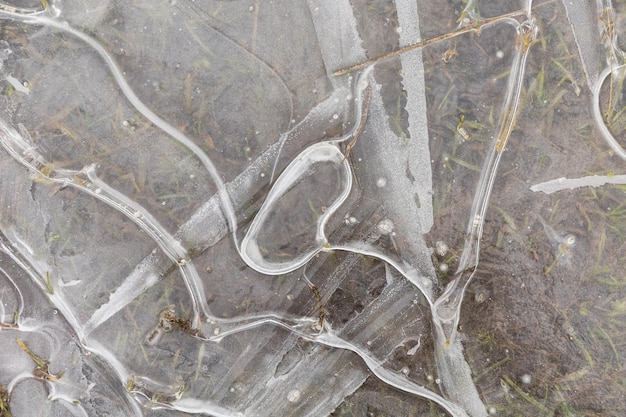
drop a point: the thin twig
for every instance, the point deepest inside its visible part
(366, 105)
(475, 27)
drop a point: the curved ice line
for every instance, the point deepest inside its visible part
(282, 185)
(361, 85)
(260, 320)
(58, 303)
(330, 339)
(140, 107)
(118, 368)
(20, 307)
(68, 403)
(327, 337)
(597, 113)
(404, 270)
(168, 244)
(17, 379)
(95, 187)
(450, 301)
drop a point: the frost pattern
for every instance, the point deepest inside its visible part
(189, 190)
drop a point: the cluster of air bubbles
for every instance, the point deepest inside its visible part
(237, 387)
(293, 396)
(441, 250)
(130, 124)
(350, 220)
(385, 227)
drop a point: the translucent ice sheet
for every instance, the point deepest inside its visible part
(312, 208)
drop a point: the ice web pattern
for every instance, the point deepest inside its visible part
(239, 208)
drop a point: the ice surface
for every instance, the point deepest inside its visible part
(232, 208)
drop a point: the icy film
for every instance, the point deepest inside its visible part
(316, 208)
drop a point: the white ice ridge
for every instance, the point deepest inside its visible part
(563, 183)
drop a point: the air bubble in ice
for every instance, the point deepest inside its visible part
(441, 248)
(237, 387)
(385, 227)
(293, 396)
(381, 182)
